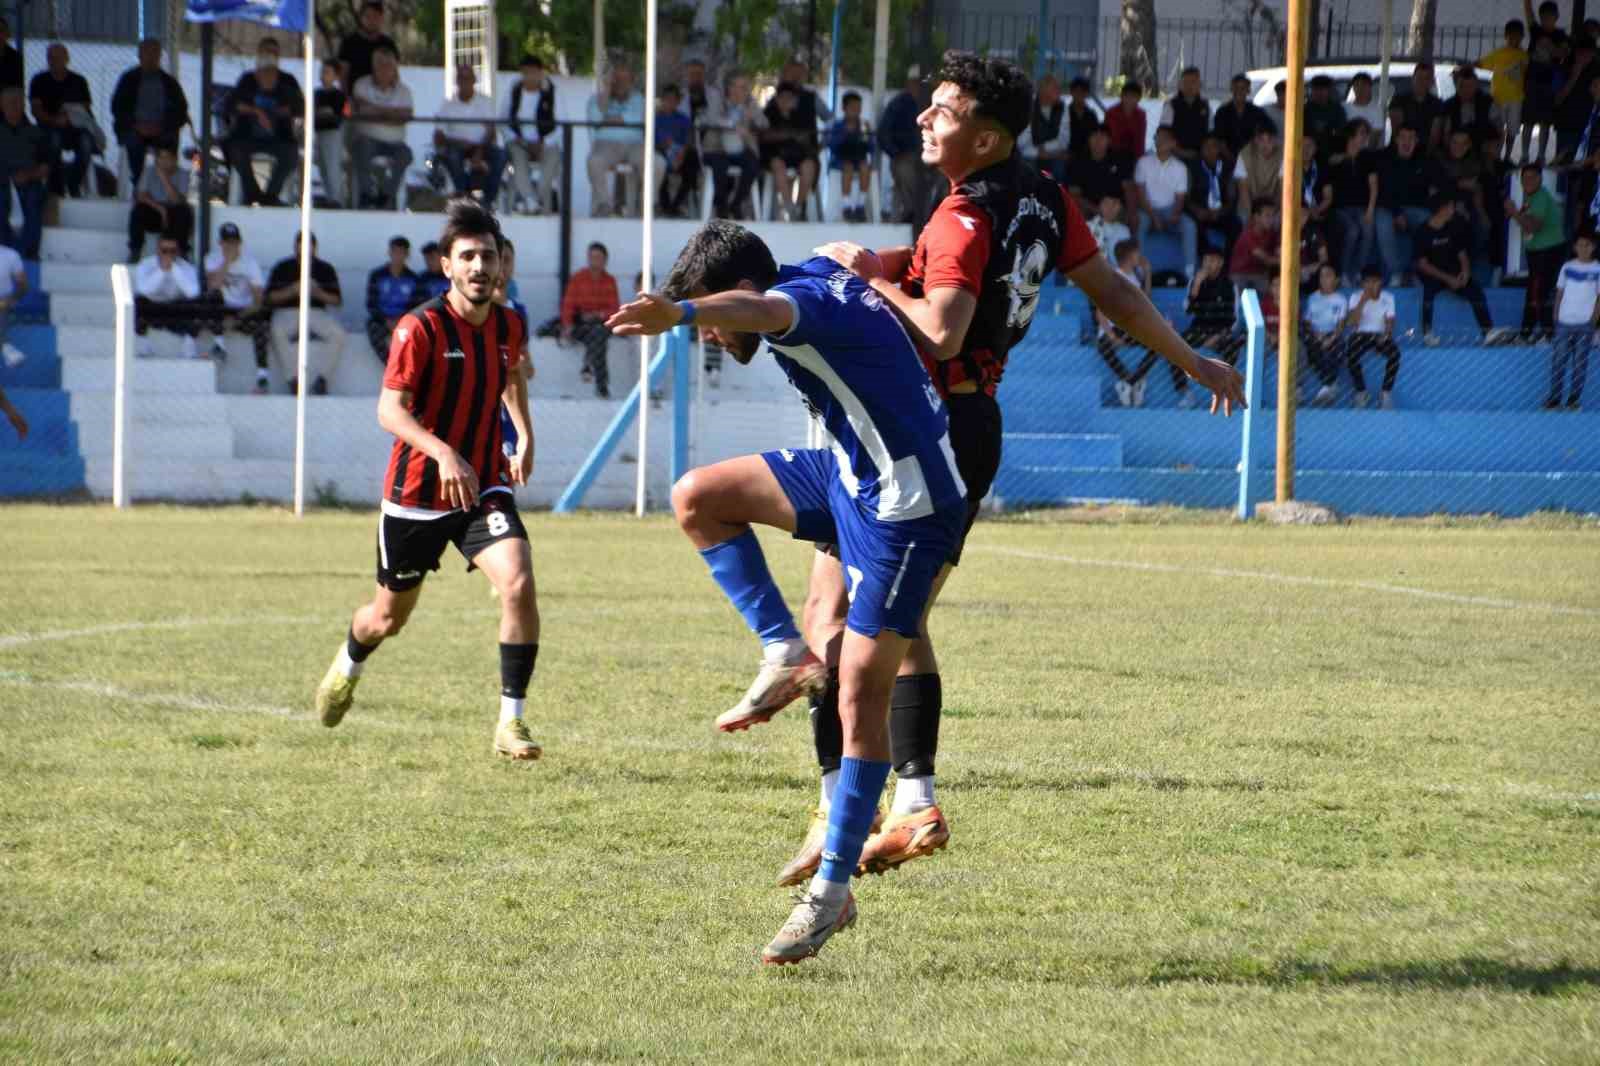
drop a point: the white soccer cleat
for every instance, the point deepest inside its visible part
(810, 925)
(775, 687)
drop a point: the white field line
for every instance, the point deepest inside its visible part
(1295, 579)
(169, 699)
(17, 640)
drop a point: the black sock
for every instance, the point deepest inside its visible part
(357, 651)
(516, 669)
(826, 729)
(914, 723)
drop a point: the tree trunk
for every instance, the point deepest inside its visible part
(1139, 43)
(1419, 34)
(1314, 43)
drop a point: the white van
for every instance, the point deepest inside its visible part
(1263, 82)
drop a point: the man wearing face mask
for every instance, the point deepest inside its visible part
(262, 109)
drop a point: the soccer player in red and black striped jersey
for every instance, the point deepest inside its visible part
(966, 294)
(452, 362)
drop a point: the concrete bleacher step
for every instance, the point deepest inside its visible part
(196, 377)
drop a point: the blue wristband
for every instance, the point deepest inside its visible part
(687, 307)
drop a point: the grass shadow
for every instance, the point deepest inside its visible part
(1469, 972)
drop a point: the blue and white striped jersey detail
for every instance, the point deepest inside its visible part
(860, 375)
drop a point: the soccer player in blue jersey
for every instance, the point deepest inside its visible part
(886, 491)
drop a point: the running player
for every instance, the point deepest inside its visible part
(887, 493)
(452, 362)
(966, 293)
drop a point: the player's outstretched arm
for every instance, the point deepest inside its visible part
(737, 311)
(1128, 306)
(458, 481)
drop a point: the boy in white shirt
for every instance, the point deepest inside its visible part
(1163, 182)
(166, 295)
(1371, 319)
(1107, 231)
(1577, 314)
(1131, 264)
(1324, 318)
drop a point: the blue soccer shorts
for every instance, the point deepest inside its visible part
(889, 567)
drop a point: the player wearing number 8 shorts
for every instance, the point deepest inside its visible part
(452, 363)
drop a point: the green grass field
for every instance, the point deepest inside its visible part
(1218, 794)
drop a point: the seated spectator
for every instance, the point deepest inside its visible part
(737, 145)
(64, 112)
(1424, 111)
(790, 143)
(811, 106)
(1444, 265)
(1188, 114)
(1126, 123)
(702, 103)
(465, 139)
(166, 296)
(524, 367)
(1134, 267)
(1214, 203)
(1097, 173)
(1258, 172)
(532, 138)
(1577, 316)
(1463, 178)
(1544, 243)
(161, 205)
(1406, 182)
(13, 287)
(148, 107)
(1255, 253)
(1106, 228)
(1314, 255)
(1237, 121)
(24, 167)
(1324, 118)
(1509, 65)
(1573, 106)
(590, 299)
(1082, 119)
(1163, 181)
(391, 292)
(1470, 110)
(1354, 181)
(261, 113)
(1045, 140)
(380, 107)
(328, 106)
(1271, 313)
(901, 140)
(10, 59)
(1322, 323)
(850, 153)
(431, 283)
(674, 132)
(1275, 111)
(1213, 308)
(1371, 324)
(283, 297)
(619, 144)
(1364, 105)
(234, 278)
(358, 51)
(1316, 191)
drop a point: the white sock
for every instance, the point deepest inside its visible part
(786, 652)
(830, 781)
(912, 794)
(832, 893)
(510, 707)
(346, 665)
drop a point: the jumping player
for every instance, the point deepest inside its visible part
(452, 362)
(966, 294)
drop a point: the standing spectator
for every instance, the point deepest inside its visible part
(1509, 65)
(1444, 265)
(1214, 200)
(1044, 141)
(1544, 241)
(1107, 228)
(1574, 105)
(590, 299)
(1471, 110)
(674, 132)
(1213, 308)
(1424, 111)
(850, 152)
(233, 277)
(263, 107)
(531, 136)
(10, 59)
(1189, 115)
(1578, 294)
(901, 140)
(431, 283)
(1406, 182)
(789, 142)
(1323, 320)
(1237, 121)
(1126, 124)
(63, 110)
(1316, 192)
(1324, 118)
(283, 296)
(1355, 201)
(148, 107)
(161, 205)
(356, 51)
(391, 292)
(1583, 175)
(328, 106)
(1371, 324)
(1464, 180)
(1097, 174)
(166, 296)
(1276, 113)
(1364, 105)
(1081, 118)
(1255, 253)
(738, 147)
(1135, 269)
(1258, 172)
(380, 106)
(13, 287)
(703, 104)
(465, 139)
(1163, 181)
(24, 166)
(617, 144)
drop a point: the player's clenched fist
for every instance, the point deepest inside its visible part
(458, 481)
(646, 316)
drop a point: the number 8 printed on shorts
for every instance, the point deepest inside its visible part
(499, 525)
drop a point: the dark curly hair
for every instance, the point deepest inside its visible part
(466, 217)
(719, 256)
(1000, 91)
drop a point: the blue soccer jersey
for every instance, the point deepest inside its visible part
(852, 361)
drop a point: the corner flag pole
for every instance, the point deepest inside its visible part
(1289, 250)
(647, 217)
(309, 93)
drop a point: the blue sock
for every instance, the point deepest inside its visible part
(741, 572)
(855, 801)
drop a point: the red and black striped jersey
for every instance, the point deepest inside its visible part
(455, 373)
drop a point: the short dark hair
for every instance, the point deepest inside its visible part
(719, 256)
(1237, 78)
(1132, 86)
(1535, 167)
(1372, 270)
(1516, 24)
(1079, 83)
(466, 217)
(1549, 7)
(1584, 235)
(387, 50)
(850, 97)
(1406, 127)
(1263, 204)
(531, 60)
(430, 248)
(670, 89)
(1361, 75)
(596, 246)
(400, 241)
(506, 245)
(1168, 130)
(1000, 91)
(1424, 65)
(1186, 71)
(372, 3)
(1322, 81)
(1122, 248)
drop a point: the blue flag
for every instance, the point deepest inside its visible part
(283, 14)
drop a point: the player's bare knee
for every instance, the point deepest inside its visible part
(687, 498)
(389, 623)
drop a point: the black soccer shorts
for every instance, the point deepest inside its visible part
(409, 547)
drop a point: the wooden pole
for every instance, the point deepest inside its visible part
(1289, 254)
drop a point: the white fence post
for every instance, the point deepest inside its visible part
(122, 297)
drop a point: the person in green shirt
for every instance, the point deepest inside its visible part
(1544, 241)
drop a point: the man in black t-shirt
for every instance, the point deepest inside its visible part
(283, 297)
(262, 109)
(1354, 179)
(1424, 111)
(50, 92)
(355, 51)
(1097, 174)
(1406, 182)
(1237, 120)
(10, 59)
(1444, 265)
